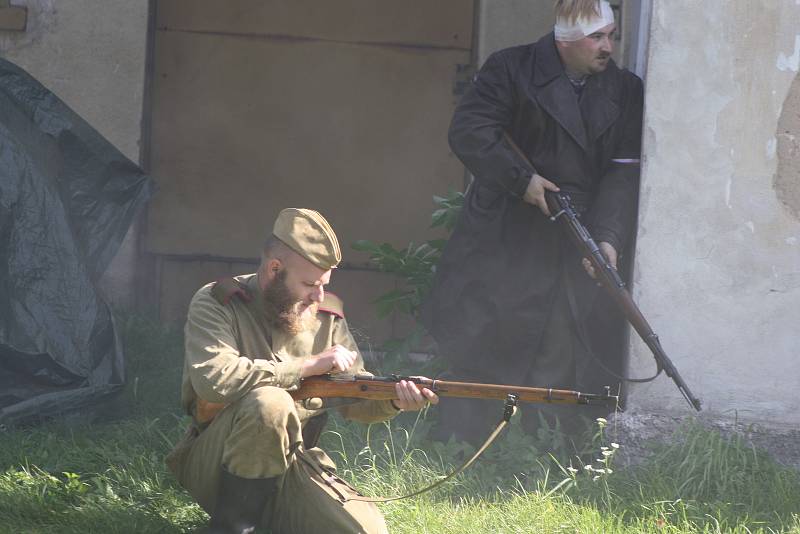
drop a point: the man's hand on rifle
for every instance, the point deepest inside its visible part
(411, 398)
(610, 254)
(335, 359)
(534, 194)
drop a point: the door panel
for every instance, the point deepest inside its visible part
(443, 23)
(257, 106)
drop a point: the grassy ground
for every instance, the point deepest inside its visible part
(106, 473)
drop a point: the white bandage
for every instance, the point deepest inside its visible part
(567, 31)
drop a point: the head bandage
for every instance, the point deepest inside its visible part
(567, 31)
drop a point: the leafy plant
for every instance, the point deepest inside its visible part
(415, 266)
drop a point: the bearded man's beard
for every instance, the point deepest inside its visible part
(284, 311)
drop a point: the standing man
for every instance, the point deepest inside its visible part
(249, 458)
(510, 301)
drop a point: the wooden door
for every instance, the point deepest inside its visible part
(341, 106)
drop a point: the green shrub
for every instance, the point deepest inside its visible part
(414, 266)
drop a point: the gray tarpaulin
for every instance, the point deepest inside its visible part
(67, 199)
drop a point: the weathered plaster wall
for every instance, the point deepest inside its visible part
(787, 178)
(718, 256)
(91, 53)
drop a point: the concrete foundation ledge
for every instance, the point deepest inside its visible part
(639, 433)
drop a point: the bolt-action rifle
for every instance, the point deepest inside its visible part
(382, 388)
(561, 208)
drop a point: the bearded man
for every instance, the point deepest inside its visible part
(510, 303)
(249, 340)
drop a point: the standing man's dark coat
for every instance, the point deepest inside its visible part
(499, 273)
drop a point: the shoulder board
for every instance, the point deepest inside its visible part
(225, 289)
(332, 305)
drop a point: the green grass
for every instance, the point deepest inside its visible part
(699, 482)
(105, 473)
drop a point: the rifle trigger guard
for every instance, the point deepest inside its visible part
(510, 407)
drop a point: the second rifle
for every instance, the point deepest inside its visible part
(561, 208)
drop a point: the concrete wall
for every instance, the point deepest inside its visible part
(718, 257)
(91, 53)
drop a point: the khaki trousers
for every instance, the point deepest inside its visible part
(259, 436)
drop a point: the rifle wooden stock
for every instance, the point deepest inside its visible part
(560, 207)
(383, 388)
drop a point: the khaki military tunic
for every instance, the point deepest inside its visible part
(234, 357)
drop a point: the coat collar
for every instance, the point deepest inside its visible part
(584, 121)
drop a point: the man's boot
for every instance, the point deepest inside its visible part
(241, 503)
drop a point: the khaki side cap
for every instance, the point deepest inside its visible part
(308, 233)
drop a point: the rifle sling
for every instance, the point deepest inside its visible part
(510, 410)
(584, 339)
(572, 304)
